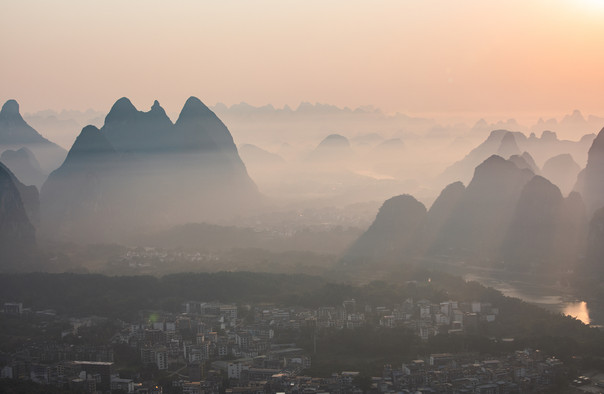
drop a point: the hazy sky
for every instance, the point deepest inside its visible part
(418, 57)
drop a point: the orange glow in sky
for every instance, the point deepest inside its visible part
(416, 57)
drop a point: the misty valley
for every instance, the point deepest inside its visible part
(307, 250)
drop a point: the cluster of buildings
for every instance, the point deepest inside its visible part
(145, 257)
(424, 318)
(82, 376)
(525, 371)
(210, 343)
(427, 319)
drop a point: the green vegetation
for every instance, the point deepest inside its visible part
(361, 349)
(16, 330)
(18, 386)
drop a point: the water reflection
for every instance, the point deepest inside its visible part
(537, 295)
(578, 310)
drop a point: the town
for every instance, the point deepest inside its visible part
(213, 347)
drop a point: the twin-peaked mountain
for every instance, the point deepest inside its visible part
(15, 134)
(141, 171)
(507, 215)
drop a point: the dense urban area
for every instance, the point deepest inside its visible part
(439, 345)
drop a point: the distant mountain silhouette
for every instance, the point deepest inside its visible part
(14, 129)
(24, 165)
(15, 133)
(530, 161)
(30, 197)
(462, 170)
(391, 145)
(333, 147)
(505, 143)
(334, 141)
(252, 154)
(562, 170)
(396, 235)
(368, 139)
(591, 184)
(508, 146)
(573, 123)
(142, 170)
(17, 234)
(525, 161)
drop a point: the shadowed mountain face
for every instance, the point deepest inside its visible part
(15, 133)
(24, 165)
(506, 215)
(82, 197)
(530, 161)
(508, 146)
(591, 183)
(443, 209)
(467, 222)
(130, 130)
(17, 235)
(396, 234)
(595, 242)
(140, 171)
(575, 226)
(562, 170)
(30, 198)
(535, 233)
(478, 225)
(525, 161)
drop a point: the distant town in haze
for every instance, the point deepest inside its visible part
(301, 198)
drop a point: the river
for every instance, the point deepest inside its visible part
(546, 297)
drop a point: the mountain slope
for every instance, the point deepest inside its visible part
(15, 133)
(396, 234)
(24, 165)
(141, 172)
(592, 183)
(17, 234)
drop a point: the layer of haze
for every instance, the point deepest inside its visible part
(513, 59)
